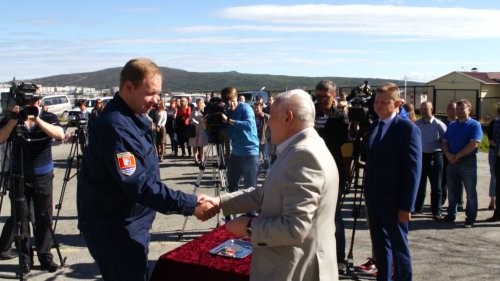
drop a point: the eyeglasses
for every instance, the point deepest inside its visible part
(323, 97)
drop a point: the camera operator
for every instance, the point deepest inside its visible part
(332, 126)
(242, 130)
(38, 167)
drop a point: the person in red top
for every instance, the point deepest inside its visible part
(182, 120)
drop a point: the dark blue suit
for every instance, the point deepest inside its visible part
(392, 176)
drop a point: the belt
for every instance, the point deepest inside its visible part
(435, 152)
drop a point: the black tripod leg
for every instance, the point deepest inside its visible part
(61, 196)
(4, 179)
(357, 203)
(196, 186)
(56, 245)
(73, 154)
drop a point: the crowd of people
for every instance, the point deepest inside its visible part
(294, 143)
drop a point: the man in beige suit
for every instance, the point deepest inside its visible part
(293, 237)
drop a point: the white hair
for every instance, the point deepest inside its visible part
(300, 103)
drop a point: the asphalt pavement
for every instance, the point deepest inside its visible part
(440, 251)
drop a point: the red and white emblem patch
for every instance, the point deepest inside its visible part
(126, 163)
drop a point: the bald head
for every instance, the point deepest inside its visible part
(291, 112)
(300, 104)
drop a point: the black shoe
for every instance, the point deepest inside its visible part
(437, 217)
(8, 255)
(25, 269)
(49, 265)
(448, 219)
(468, 225)
(342, 268)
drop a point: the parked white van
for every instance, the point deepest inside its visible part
(60, 105)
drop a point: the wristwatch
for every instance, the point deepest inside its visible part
(249, 227)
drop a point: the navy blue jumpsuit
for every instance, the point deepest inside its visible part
(119, 192)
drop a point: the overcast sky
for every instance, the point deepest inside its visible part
(421, 40)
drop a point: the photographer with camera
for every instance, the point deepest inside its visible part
(39, 130)
(242, 130)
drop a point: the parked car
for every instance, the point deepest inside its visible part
(60, 105)
(251, 96)
(89, 104)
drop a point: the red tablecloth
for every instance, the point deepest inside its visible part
(192, 261)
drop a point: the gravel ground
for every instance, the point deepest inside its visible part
(441, 251)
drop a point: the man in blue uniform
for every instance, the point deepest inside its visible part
(119, 187)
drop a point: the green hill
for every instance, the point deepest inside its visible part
(181, 80)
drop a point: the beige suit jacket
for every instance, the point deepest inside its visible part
(294, 236)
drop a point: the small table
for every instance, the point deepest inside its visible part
(192, 261)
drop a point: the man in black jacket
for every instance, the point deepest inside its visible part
(332, 125)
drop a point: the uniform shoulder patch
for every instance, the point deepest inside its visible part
(126, 163)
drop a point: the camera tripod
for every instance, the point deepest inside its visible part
(74, 153)
(20, 208)
(356, 182)
(215, 152)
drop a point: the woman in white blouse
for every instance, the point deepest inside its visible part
(161, 135)
(199, 141)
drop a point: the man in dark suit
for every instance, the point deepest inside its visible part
(393, 168)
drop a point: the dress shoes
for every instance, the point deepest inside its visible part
(448, 219)
(49, 265)
(437, 217)
(8, 255)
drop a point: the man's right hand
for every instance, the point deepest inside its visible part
(452, 158)
(207, 207)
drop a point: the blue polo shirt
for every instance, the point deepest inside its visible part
(38, 154)
(459, 134)
(243, 133)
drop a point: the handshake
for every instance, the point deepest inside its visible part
(207, 207)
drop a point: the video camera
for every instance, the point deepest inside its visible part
(214, 110)
(361, 107)
(361, 111)
(81, 123)
(22, 94)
